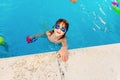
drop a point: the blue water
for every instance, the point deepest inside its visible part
(92, 23)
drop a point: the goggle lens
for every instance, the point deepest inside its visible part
(63, 29)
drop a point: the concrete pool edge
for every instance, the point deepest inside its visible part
(92, 63)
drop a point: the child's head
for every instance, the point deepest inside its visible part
(61, 27)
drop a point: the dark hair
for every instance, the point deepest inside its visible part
(63, 20)
(66, 25)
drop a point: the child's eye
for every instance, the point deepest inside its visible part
(63, 29)
(57, 26)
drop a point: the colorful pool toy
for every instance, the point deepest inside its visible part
(73, 1)
(115, 6)
(2, 42)
(30, 39)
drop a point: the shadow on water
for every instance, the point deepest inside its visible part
(6, 47)
(5, 51)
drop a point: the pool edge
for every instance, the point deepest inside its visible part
(98, 62)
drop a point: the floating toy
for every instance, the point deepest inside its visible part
(73, 1)
(115, 6)
(2, 42)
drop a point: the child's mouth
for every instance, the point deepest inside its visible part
(58, 32)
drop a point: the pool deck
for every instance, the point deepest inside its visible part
(92, 63)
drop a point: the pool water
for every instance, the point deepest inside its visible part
(91, 23)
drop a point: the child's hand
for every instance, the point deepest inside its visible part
(49, 33)
(63, 53)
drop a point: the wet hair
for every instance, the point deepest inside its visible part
(66, 25)
(64, 21)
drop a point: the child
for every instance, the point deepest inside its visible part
(57, 35)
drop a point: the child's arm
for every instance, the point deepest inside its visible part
(63, 52)
(64, 43)
(34, 37)
(39, 35)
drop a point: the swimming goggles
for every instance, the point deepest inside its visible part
(63, 29)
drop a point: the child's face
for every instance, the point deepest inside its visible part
(60, 29)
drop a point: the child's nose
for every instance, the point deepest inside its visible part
(59, 29)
